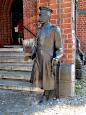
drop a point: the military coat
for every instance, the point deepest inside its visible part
(48, 43)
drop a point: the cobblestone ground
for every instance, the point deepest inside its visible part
(21, 103)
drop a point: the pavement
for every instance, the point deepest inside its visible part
(22, 103)
(16, 103)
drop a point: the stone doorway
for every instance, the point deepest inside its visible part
(17, 15)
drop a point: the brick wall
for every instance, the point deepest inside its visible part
(81, 24)
(62, 16)
(5, 22)
(29, 17)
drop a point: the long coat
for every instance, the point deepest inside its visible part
(48, 42)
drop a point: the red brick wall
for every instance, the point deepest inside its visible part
(81, 24)
(62, 16)
(5, 22)
(30, 17)
(52, 4)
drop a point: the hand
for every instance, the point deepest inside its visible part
(26, 58)
(54, 61)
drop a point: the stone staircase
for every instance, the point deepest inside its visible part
(15, 73)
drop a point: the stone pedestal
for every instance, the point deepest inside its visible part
(67, 80)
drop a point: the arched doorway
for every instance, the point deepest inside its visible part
(17, 15)
(11, 11)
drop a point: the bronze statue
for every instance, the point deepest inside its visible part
(47, 51)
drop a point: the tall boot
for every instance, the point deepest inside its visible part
(45, 96)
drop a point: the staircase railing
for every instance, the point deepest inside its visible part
(29, 31)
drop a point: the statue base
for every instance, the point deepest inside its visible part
(67, 80)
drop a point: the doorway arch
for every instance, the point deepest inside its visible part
(8, 20)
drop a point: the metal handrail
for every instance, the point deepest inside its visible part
(29, 31)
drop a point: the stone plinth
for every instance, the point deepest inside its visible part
(67, 80)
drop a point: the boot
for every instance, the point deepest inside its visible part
(45, 97)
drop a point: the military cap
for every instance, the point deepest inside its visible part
(46, 8)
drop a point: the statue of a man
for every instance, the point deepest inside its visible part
(47, 51)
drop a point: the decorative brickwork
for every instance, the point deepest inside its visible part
(81, 24)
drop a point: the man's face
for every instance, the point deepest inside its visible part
(44, 16)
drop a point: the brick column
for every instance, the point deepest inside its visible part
(67, 80)
(63, 17)
(81, 24)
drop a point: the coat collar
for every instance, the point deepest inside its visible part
(47, 25)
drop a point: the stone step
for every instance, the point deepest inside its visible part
(14, 61)
(11, 49)
(7, 53)
(12, 46)
(16, 67)
(18, 85)
(17, 64)
(11, 57)
(15, 75)
(13, 54)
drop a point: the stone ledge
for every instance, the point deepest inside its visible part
(29, 69)
(26, 89)
(15, 75)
